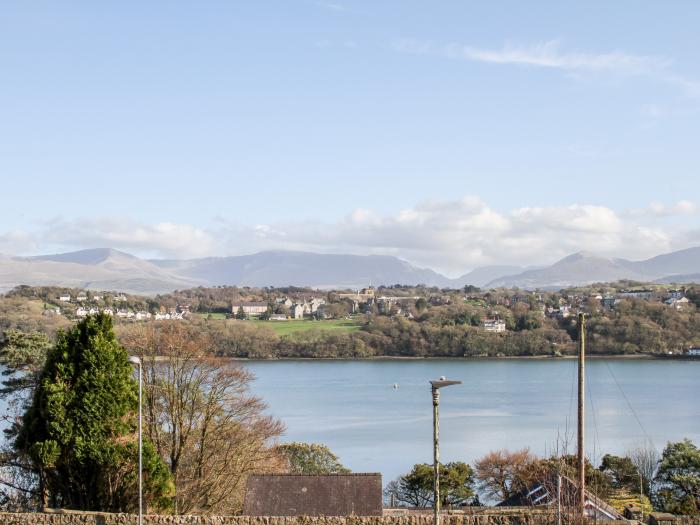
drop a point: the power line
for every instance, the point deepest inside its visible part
(629, 404)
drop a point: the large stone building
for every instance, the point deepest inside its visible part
(251, 308)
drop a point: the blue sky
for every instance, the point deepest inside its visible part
(453, 134)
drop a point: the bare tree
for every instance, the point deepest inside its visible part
(202, 418)
(646, 458)
(502, 473)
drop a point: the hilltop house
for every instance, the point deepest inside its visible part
(645, 294)
(252, 308)
(64, 298)
(365, 294)
(677, 303)
(494, 325)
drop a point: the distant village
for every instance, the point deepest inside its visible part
(493, 306)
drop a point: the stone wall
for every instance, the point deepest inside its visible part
(482, 517)
(519, 517)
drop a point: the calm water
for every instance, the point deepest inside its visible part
(352, 407)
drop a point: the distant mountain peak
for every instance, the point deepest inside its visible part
(580, 256)
(89, 256)
(110, 269)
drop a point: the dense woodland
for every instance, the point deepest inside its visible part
(433, 323)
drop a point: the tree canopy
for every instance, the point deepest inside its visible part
(415, 489)
(311, 458)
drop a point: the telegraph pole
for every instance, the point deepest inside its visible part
(581, 412)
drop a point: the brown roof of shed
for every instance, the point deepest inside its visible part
(313, 495)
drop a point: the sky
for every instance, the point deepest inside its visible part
(451, 134)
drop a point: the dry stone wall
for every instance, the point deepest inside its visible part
(520, 517)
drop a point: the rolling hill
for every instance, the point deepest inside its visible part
(109, 269)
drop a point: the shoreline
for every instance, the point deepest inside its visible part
(627, 357)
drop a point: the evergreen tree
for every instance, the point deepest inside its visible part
(678, 479)
(80, 430)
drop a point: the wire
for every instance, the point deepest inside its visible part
(629, 404)
(596, 437)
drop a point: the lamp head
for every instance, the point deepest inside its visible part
(134, 360)
(442, 382)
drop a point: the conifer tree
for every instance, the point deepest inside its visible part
(80, 430)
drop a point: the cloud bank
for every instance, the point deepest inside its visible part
(450, 236)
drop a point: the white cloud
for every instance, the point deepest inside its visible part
(450, 236)
(550, 55)
(542, 54)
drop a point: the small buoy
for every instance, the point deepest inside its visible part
(396, 386)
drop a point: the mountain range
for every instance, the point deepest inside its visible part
(109, 269)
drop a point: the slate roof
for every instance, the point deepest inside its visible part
(313, 495)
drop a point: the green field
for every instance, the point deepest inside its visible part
(302, 325)
(213, 316)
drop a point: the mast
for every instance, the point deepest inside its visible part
(581, 413)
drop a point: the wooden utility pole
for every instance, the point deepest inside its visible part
(581, 413)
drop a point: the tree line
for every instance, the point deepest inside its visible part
(669, 482)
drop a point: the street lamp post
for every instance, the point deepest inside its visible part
(435, 387)
(137, 361)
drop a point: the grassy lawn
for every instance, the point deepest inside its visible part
(213, 316)
(303, 325)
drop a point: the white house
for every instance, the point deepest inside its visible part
(81, 297)
(286, 301)
(494, 325)
(254, 308)
(678, 304)
(694, 351)
(297, 311)
(81, 312)
(64, 298)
